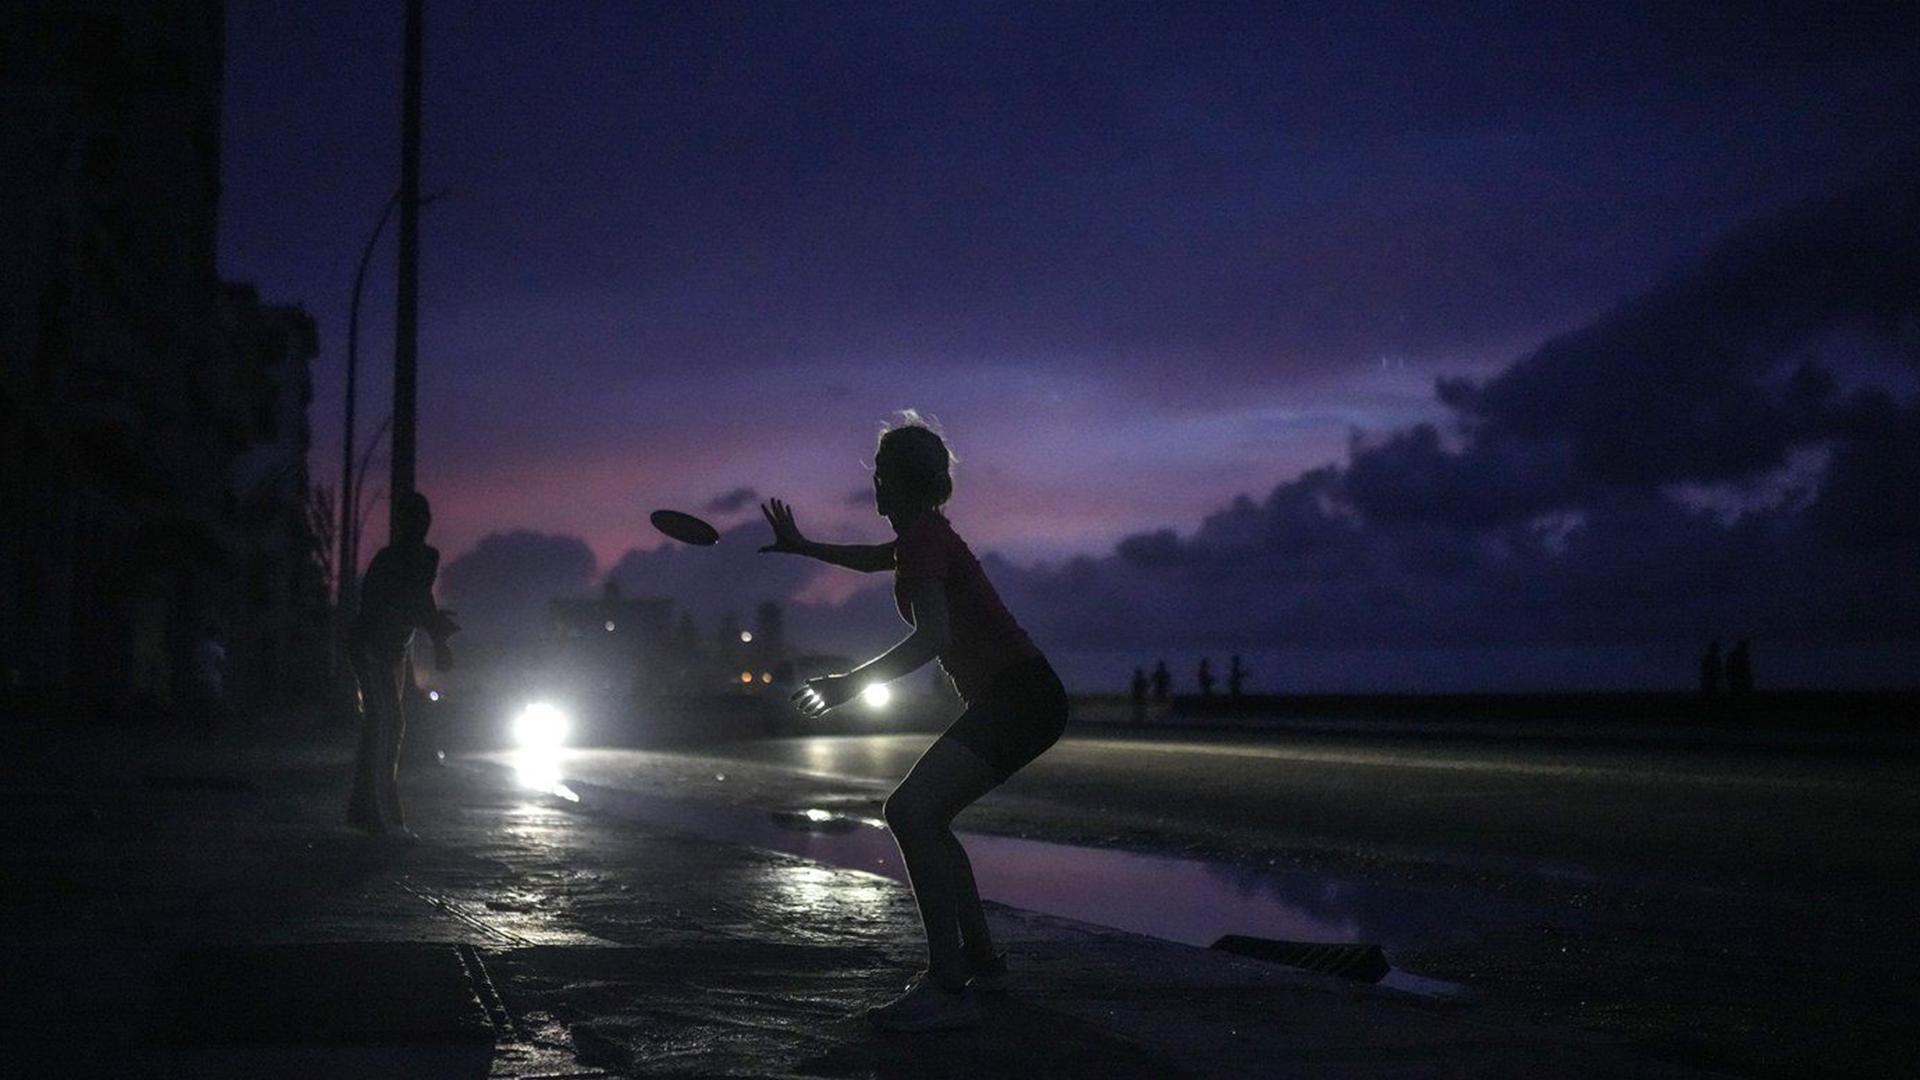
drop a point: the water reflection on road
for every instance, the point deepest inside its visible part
(1192, 901)
(539, 770)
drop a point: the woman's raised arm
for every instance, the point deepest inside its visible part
(787, 539)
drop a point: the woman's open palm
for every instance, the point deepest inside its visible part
(786, 535)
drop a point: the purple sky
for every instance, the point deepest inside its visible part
(1138, 259)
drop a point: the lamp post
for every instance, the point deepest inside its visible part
(349, 538)
(350, 475)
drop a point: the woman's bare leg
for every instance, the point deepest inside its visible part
(946, 780)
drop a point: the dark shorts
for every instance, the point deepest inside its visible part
(1017, 719)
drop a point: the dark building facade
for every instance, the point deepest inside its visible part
(152, 421)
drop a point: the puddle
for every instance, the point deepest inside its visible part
(1191, 901)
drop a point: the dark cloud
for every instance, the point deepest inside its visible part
(733, 501)
(501, 586)
(1573, 498)
(1709, 379)
(730, 576)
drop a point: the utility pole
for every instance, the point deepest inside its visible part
(406, 327)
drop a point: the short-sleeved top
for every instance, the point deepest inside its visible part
(983, 638)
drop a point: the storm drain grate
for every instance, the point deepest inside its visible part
(1358, 961)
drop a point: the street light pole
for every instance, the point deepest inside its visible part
(349, 546)
(407, 299)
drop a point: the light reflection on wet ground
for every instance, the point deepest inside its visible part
(539, 770)
(1190, 901)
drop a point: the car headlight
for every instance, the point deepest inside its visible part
(540, 727)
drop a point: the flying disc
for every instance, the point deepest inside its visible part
(684, 527)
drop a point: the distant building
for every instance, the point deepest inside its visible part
(266, 390)
(152, 423)
(642, 646)
(769, 634)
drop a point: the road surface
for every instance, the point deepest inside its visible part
(1742, 909)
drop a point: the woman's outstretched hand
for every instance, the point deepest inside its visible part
(823, 693)
(786, 535)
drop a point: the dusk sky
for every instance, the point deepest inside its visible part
(1137, 259)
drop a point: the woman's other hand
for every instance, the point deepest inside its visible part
(824, 693)
(786, 535)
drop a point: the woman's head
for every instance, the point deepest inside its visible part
(912, 470)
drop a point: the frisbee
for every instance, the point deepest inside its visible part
(684, 527)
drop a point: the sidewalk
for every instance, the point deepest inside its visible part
(146, 878)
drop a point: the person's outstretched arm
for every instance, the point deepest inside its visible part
(927, 600)
(421, 611)
(866, 558)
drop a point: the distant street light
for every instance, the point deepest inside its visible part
(350, 477)
(349, 546)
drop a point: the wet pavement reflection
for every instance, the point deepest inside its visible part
(1190, 901)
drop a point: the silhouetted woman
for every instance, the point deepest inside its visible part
(1016, 709)
(396, 597)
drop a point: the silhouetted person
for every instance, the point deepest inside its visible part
(1740, 667)
(1162, 680)
(396, 598)
(1139, 696)
(1205, 677)
(1710, 671)
(1236, 676)
(207, 679)
(1015, 709)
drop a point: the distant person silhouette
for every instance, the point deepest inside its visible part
(1162, 680)
(1139, 696)
(396, 597)
(1236, 676)
(1205, 677)
(1740, 668)
(1015, 709)
(1710, 671)
(208, 682)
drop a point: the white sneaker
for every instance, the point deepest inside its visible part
(926, 1006)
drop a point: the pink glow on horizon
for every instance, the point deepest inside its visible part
(1027, 517)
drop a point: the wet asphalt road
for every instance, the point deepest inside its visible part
(1743, 909)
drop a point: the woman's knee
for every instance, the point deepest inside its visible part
(896, 811)
(909, 813)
